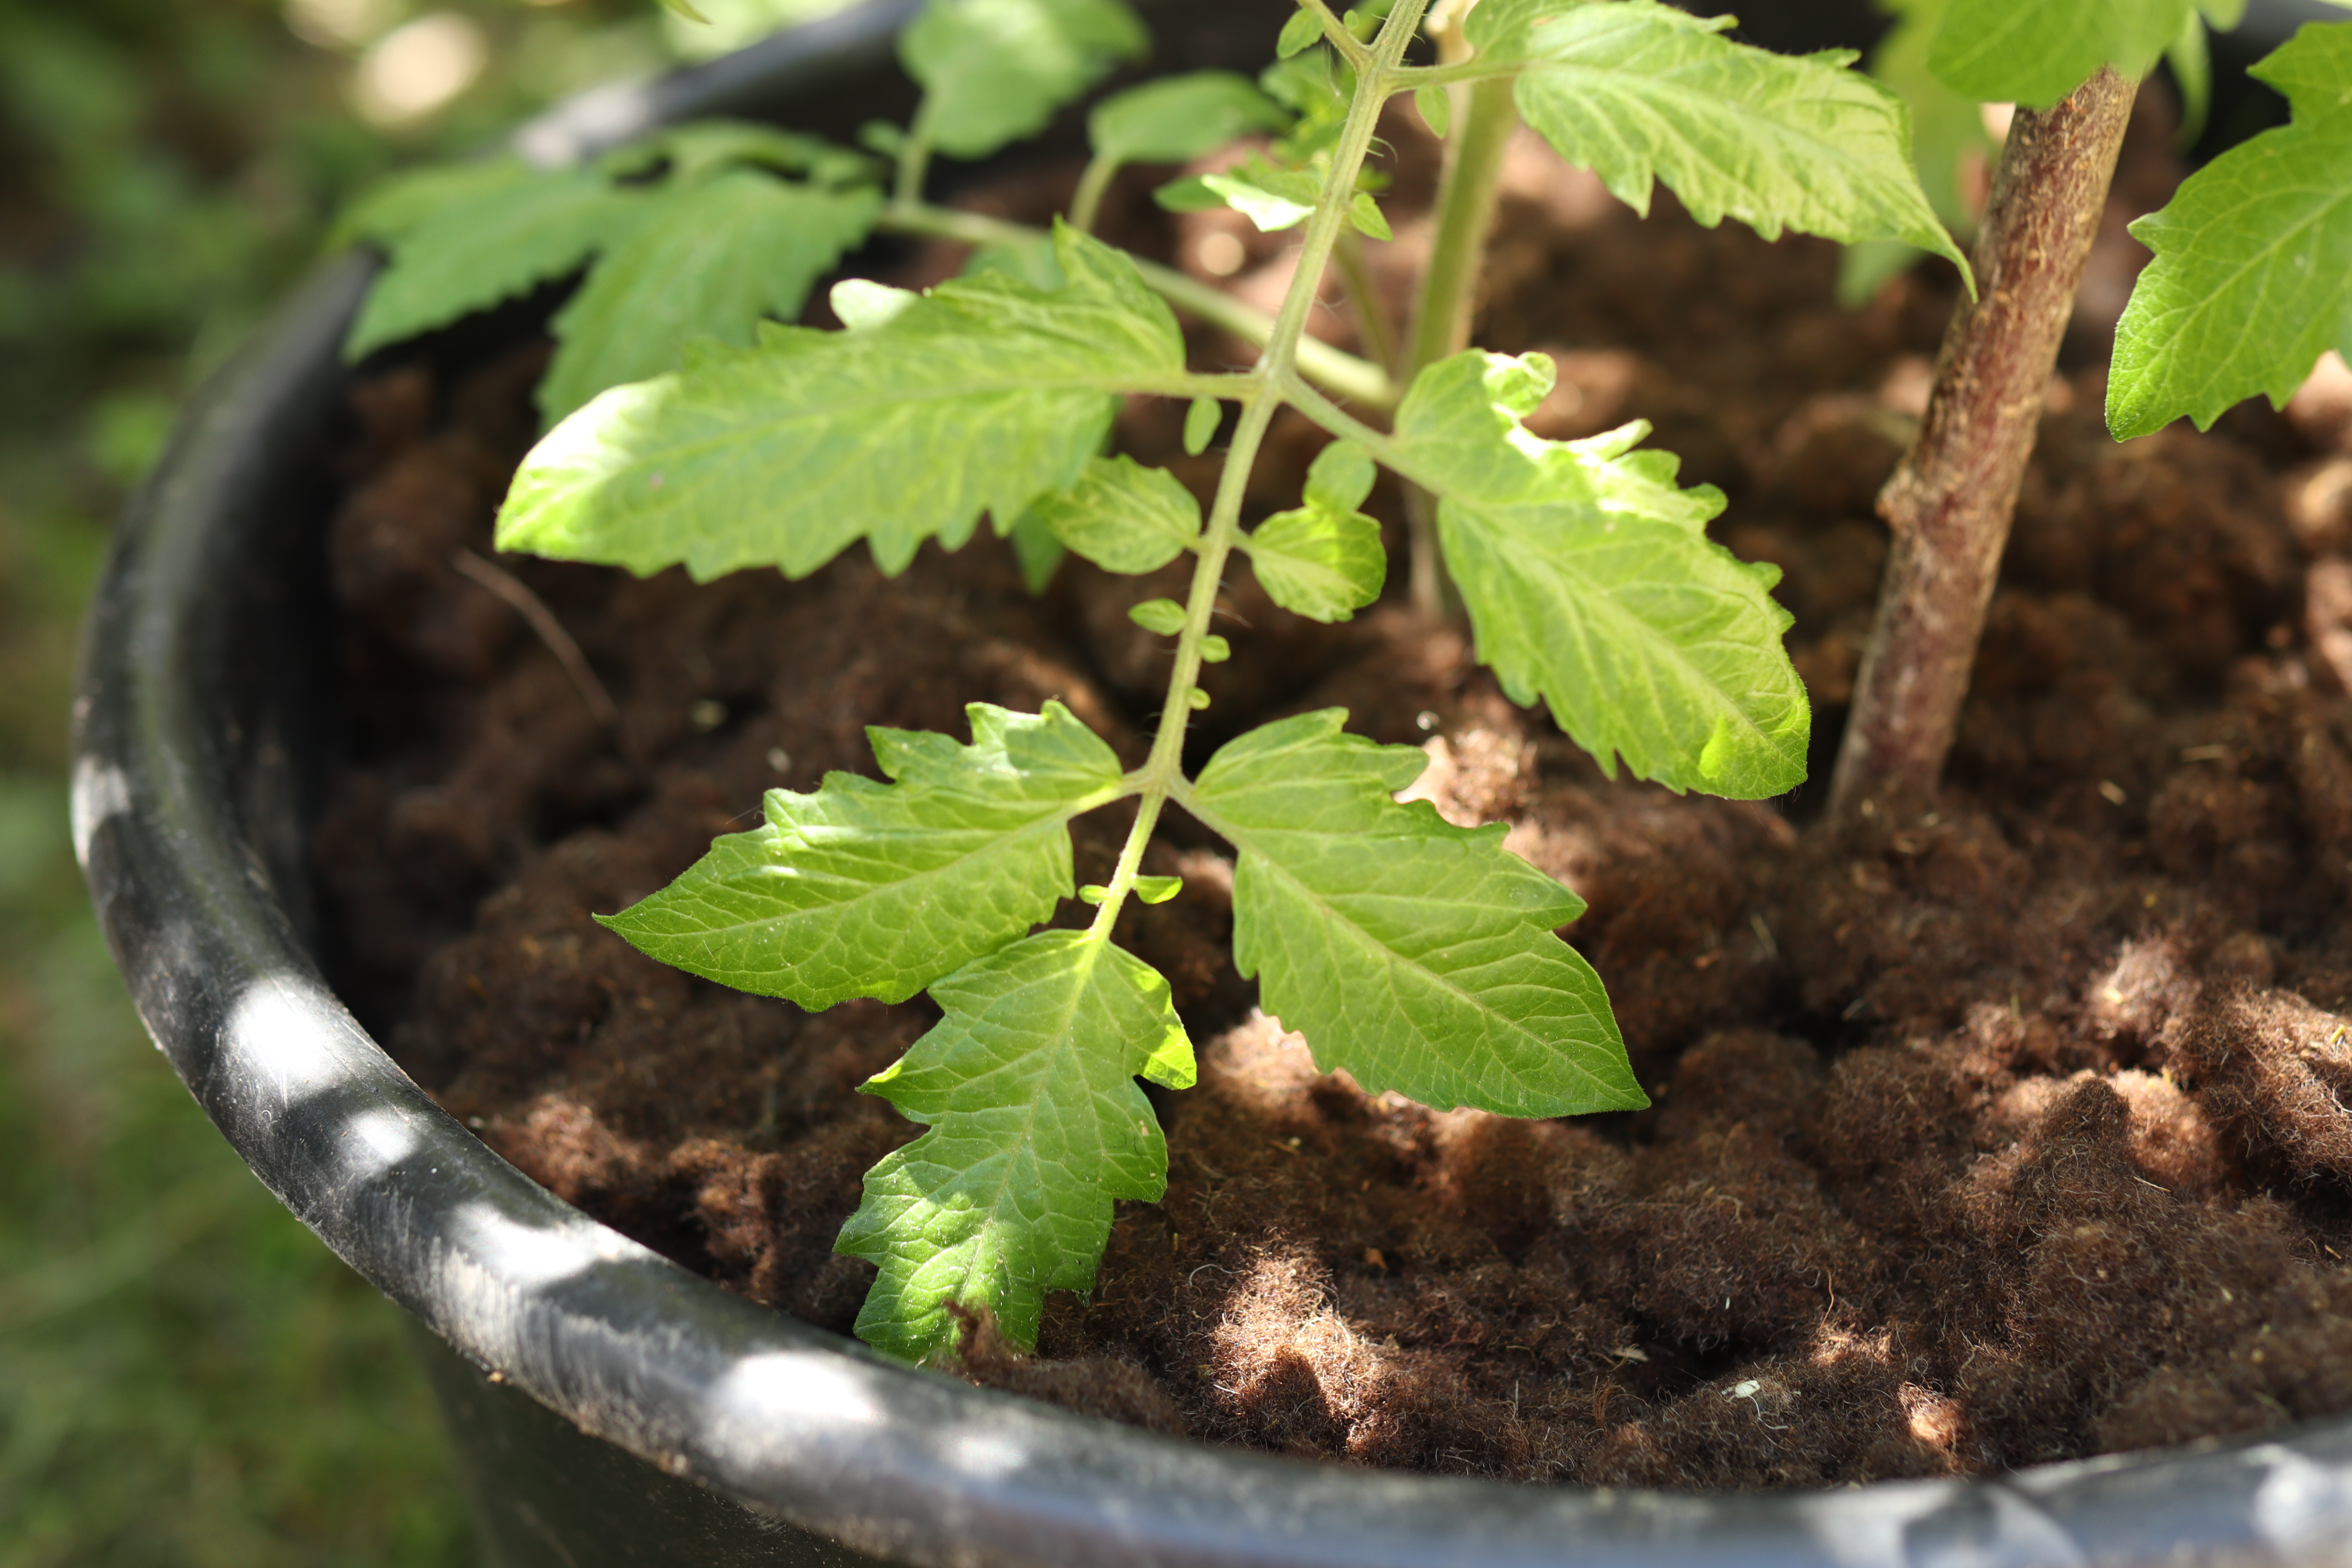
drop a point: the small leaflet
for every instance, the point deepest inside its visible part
(1165, 616)
(1036, 1125)
(2033, 52)
(1271, 198)
(1590, 581)
(462, 240)
(1301, 33)
(1419, 956)
(1177, 118)
(1122, 516)
(1323, 559)
(982, 395)
(1158, 889)
(1200, 421)
(872, 890)
(994, 71)
(1215, 650)
(1639, 91)
(709, 260)
(1436, 108)
(2252, 277)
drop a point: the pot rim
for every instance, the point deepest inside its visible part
(186, 795)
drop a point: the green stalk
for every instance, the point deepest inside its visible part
(1364, 301)
(1341, 374)
(1484, 116)
(1085, 203)
(1162, 774)
(914, 157)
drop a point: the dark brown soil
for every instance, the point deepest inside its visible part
(2023, 1136)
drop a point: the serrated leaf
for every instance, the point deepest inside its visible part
(1947, 139)
(871, 889)
(699, 149)
(1036, 1126)
(2252, 277)
(464, 244)
(1436, 107)
(1200, 421)
(1417, 955)
(2034, 53)
(1179, 118)
(1301, 33)
(712, 259)
(1590, 581)
(1638, 91)
(982, 395)
(1122, 516)
(1039, 553)
(995, 71)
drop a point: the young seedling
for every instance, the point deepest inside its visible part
(2248, 289)
(1415, 955)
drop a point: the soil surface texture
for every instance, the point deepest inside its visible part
(2017, 1134)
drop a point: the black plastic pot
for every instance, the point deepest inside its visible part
(608, 1406)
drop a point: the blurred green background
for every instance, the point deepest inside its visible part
(186, 1375)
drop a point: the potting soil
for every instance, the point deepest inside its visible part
(2015, 1132)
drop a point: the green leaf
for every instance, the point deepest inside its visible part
(2034, 53)
(1036, 1125)
(463, 243)
(712, 261)
(1417, 955)
(872, 890)
(1038, 551)
(2190, 56)
(982, 395)
(686, 10)
(2252, 277)
(995, 71)
(1301, 33)
(1638, 91)
(1271, 198)
(1364, 215)
(1179, 118)
(1165, 616)
(696, 151)
(1122, 516)
(1200, 421)
(1949, 140)
(1324, 560)
(1158, 889)
(1436, 107)
(1590, 581)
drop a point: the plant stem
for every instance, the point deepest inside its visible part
(1953, 496)
(1484, 116)
(1085, 203)
(1163, 773)
(1345, 375)
(1364, 301)
(914, 157)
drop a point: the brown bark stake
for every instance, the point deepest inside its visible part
(1950, 501)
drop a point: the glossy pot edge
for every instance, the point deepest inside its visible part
(202, 673)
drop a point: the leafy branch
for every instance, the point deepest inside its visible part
(1415, 954)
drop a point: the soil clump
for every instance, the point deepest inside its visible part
(2019, 1134)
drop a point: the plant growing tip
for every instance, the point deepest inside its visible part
(1420, 956)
